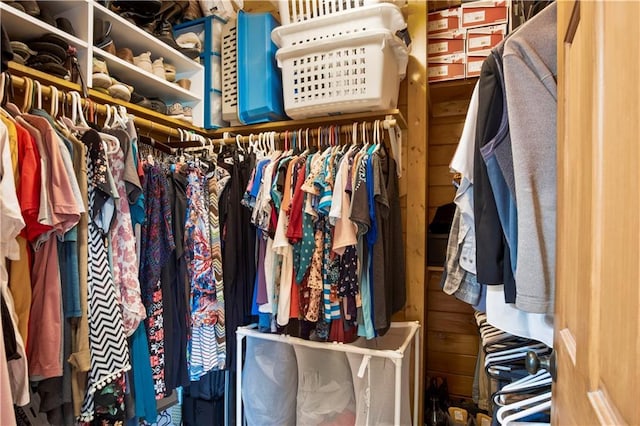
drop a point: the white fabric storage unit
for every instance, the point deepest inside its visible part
(288, 380)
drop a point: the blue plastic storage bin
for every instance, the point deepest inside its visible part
(259, 78)
(210, 59)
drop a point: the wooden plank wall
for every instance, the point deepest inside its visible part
(413, 184)
(451, 334)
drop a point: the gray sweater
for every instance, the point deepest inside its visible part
(530, 83)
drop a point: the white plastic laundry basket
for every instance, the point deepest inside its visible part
(269, 384)
(357, 73)
(343, 23)
(304, 10)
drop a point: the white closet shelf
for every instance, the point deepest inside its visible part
(144, 82)
(125, 34)
(23, 27)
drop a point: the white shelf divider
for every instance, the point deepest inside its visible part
(21, 26)
(145, 83)
(125, 34)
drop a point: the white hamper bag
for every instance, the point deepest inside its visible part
(374, 382)
(325, 388)
(269, 383)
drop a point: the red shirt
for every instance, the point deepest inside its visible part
(30, 185)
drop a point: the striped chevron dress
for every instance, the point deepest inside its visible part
(216, 260)
(107, 342)
(202, 354)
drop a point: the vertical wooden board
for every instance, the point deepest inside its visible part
(431, 214)
(441, 195)
(440, 175)
(403, 98)
(442, 4)
(451, 322)
(441, 155)
(433, 282)
(449, 108)
(416, 162)
(451, 363)
(618, 229)
(455, 90)
(416, 170)
(455, 343)
(402, 188)
(456, 384)
(445, 133)
(438, 300)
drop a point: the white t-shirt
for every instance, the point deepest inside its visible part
(507, 317)
(11, 223)
(344, 234)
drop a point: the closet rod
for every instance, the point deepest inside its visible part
(345, 130)
(19, 83)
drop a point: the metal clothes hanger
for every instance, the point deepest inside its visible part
(524, 408)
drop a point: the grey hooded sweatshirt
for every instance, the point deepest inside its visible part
(530, 84)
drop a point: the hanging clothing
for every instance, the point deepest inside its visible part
(320, 272)
(202, 353)
(28, 189)
(175, 294)
(13, 373)
(79, 360)
(238, 252)
(534, 155)
(142, 378)
(123, 244)
(216, 261)
(109, 351)
(157, 243)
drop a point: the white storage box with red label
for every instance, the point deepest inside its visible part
(361, 72)
(449, 43)
(345, 23)
(457, 58)
(443, 20)
(481, 40)
(449, 67)
(484, 12)
(474, 65)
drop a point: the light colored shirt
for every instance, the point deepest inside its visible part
(462, 162)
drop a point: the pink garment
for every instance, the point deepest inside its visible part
(65, 210)
(45, 324)
(123, 248)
